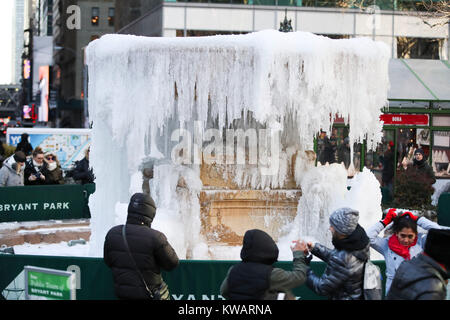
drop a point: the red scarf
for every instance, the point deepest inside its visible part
(400, 249)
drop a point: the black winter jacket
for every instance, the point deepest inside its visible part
(82, 172)
(150, 250)
(31, 170)
(254, 278)
(249, 281)
(420, 278)
(24, 145)
(343, 276)
(425, 169)
(388, 167)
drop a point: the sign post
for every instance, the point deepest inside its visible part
(49, 284)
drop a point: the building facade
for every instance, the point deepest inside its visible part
(75, 24)
(417, 41)
(394, 27)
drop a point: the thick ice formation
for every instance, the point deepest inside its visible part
(142, 89)
(325, 190)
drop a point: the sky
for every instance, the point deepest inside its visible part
(6, 16)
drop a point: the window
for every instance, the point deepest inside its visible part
(441, 121)
(204, 33)
(111, 17)
(334, 36)
(336, 149)
(381, 160)
(95, 16)
(441, 153)
(408, 140)
(418, 48)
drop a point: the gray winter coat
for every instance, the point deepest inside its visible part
(392, 259)
(342, 279)
(9, 176)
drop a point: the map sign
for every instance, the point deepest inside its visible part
(69, 145)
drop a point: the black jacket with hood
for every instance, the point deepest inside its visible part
(255, 278)
(420, 278)
(150, 250)
(344, 274)
(24, 145)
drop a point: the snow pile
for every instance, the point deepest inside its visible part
(53, 249)
(364, 196)
(325, 190)
(322, 187)
(141, 90)
(175, 190)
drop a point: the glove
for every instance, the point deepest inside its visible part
(411, 215)
(389, 216)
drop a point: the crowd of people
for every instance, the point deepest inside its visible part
(417, 264)
(31, 167)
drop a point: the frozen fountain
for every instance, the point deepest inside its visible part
(223, 127)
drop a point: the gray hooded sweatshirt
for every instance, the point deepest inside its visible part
(8, 175)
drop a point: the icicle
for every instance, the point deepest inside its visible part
(140, 86)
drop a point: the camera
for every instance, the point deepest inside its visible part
(37, 175)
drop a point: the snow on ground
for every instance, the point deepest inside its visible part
(53, 249)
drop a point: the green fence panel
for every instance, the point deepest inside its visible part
(94, 278)
(191, 280)
(34, 203)
(444, 209)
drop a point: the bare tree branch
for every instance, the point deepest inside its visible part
(435, 9)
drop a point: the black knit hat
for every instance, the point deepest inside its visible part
(437, 245)
(19, 156)
(419, 151)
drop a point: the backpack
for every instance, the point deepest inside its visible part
(372, 288)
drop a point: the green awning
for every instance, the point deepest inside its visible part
(419, 80)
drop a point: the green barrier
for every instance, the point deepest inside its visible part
(52, 202)
(444, 209)
(191, 280)
(386, 196)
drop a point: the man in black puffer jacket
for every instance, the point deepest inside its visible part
(149, 248)
(424, 277)
(255, 278)
(343, 277)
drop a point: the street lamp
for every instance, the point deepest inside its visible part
(286, 26)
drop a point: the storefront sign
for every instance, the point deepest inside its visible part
(49, 284)
(405, 119)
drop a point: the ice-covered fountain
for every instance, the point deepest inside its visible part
(224, 126)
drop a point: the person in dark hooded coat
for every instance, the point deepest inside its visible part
(344, 274)
(255, 278)
(149, 248)
(24, 145)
